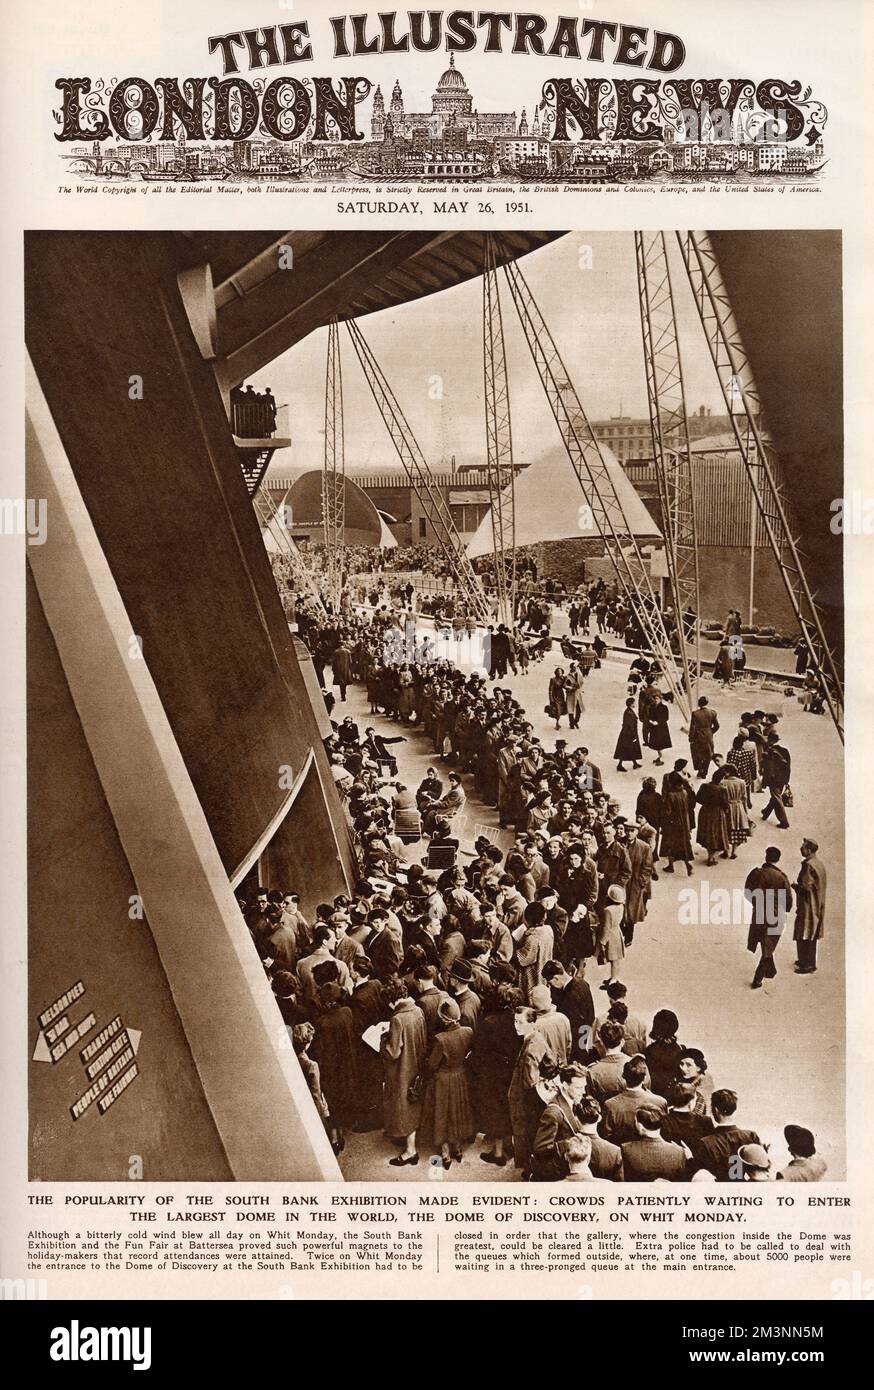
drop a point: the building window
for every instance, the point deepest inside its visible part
(423, 527)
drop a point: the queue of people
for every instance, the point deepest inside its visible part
(440, 1004)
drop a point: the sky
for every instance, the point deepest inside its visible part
(590, 303)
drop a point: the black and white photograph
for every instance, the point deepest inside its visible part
(435, 722)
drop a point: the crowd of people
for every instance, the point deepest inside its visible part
(446, 999)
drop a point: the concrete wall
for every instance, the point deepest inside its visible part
(177, 756)
(162, 483)
(79, 889)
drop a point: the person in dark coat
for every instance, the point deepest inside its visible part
(335, 1051)
(493, 1056)
(713, 817)
(576, 880)
(572, 997)
(628, 743)
(367, 1002)
(645, 700)
(558, 1121)
(776, 767)
(525, 1104)
(683, 1124)
(403, 1049)
(703, 724)
(613, 865)
(715, 1151)
(677, 821)
(659, 735)
(383, 948)
(558, 695)
(430, 788)
(649, 805)
(447, 1114)
(769, 892)
(663, 1053)
(341, 667)
(639, 846)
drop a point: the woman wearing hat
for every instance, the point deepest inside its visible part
(611, 944)
(628, 743)
(676, 821)
(663, 1053)
(692, 1069)
(658, 733)
(447, 1114)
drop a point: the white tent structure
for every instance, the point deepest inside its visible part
(551, 506)
(387, 540)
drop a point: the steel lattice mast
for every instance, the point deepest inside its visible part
(596, 482)
(417, 470)
(672, 453)
(499, 441)
(268, 514)
(762, 466)
(334, 470)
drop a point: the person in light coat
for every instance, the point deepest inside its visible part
(809, 907)
(404, 1049)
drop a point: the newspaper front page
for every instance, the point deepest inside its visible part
(436, 543)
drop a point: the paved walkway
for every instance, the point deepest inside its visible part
(781, 1047)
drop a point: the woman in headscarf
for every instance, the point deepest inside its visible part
(447, 1114)
(713, 822)
(628, 743)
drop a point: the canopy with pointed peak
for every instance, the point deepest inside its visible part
(550, 505)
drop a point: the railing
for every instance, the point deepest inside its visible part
(253, 415)
(397, 579)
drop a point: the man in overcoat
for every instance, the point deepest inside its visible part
(809, 907)
(769, 892)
